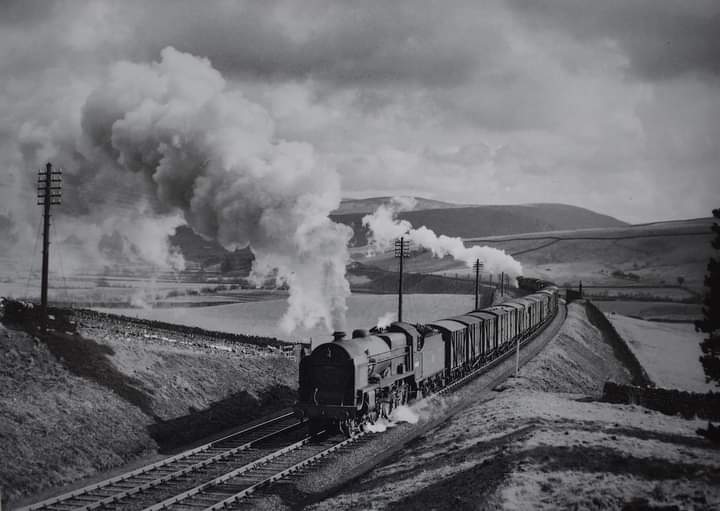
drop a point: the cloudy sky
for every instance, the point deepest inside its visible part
(612, 105)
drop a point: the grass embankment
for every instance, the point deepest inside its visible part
(72, 406)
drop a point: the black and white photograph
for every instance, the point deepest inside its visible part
(359, 255)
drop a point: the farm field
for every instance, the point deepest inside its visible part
(668, 352)
(135, 292)
(651, 310)
(263, 318)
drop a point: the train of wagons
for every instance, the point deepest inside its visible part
(353, 381)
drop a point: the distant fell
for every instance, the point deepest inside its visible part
(349, 206)
(441, 217)
(478, 221)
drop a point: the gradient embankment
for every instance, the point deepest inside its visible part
(72, 407)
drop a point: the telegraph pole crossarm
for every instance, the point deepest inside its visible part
(402, 249)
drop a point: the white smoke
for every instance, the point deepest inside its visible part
(379, 426)
(208, 155)
(385, 228)
(402, 413)
(385, 320)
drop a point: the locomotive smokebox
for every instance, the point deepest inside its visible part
(338, 335)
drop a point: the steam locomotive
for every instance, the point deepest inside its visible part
(353, 381)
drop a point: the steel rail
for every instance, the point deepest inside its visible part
(74, 494)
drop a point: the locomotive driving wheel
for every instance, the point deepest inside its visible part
(372, 417)
(348, 427)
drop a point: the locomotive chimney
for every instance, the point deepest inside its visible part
(338, 335)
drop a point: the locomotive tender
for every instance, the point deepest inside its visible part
(353, 381)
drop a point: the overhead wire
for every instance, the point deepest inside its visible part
(68, 297)
(32, 258)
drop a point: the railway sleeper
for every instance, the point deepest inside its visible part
(61, 507)
(217, 495)
(141, 479)
(205, 500)
(85, 498)
(104, 493)
(188, 506)
(237, 485)
(122, 485)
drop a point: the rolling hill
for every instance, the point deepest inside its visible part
(476, 221)
(442, 217)
(650, 255)
(348, 206)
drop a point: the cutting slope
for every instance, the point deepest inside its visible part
(74, 406)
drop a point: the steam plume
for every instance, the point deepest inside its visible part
(385, 320)
(385, 228)
(209, 155)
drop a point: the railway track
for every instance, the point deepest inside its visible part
(224, 473)
(155, 482)
(229, 490)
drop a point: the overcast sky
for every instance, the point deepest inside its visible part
(612, 105)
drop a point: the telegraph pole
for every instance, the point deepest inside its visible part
(478, 266)
(402, 248)
(502, 284)
(49, 194)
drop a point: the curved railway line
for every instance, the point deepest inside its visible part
(176, 473)
(222, 473)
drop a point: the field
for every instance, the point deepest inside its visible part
(668, 352)
(262, 318)
(652, 310)
(661, 260)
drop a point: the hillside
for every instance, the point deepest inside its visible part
(75, 406)
(649, 254)
(370, 204)
(475, 221)
(665, 259)
(442, 217)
